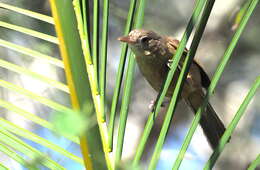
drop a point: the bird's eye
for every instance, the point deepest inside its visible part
(144, 39)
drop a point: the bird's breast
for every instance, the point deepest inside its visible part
(153, 69)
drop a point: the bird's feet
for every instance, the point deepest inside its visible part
(169, 63)
(153, 104)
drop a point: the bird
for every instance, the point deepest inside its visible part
(153, 54)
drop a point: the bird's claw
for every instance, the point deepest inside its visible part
(169, 63)
(152, 107)
(153, 104)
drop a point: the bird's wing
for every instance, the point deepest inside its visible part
(205, 80)
(173, 44)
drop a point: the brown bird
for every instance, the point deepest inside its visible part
(153, 54)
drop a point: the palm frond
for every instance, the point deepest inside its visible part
(28, 13)
(81, 75)
(31, 53)
(10, 143)
(231, 127)
(30, 32)
(17, 144)
(120, 73)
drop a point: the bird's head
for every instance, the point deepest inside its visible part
(142, 42)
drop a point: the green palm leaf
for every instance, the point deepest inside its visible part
(11, 145)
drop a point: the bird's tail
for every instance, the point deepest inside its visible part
(211, 124)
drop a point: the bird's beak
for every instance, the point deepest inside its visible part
(125, 39)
